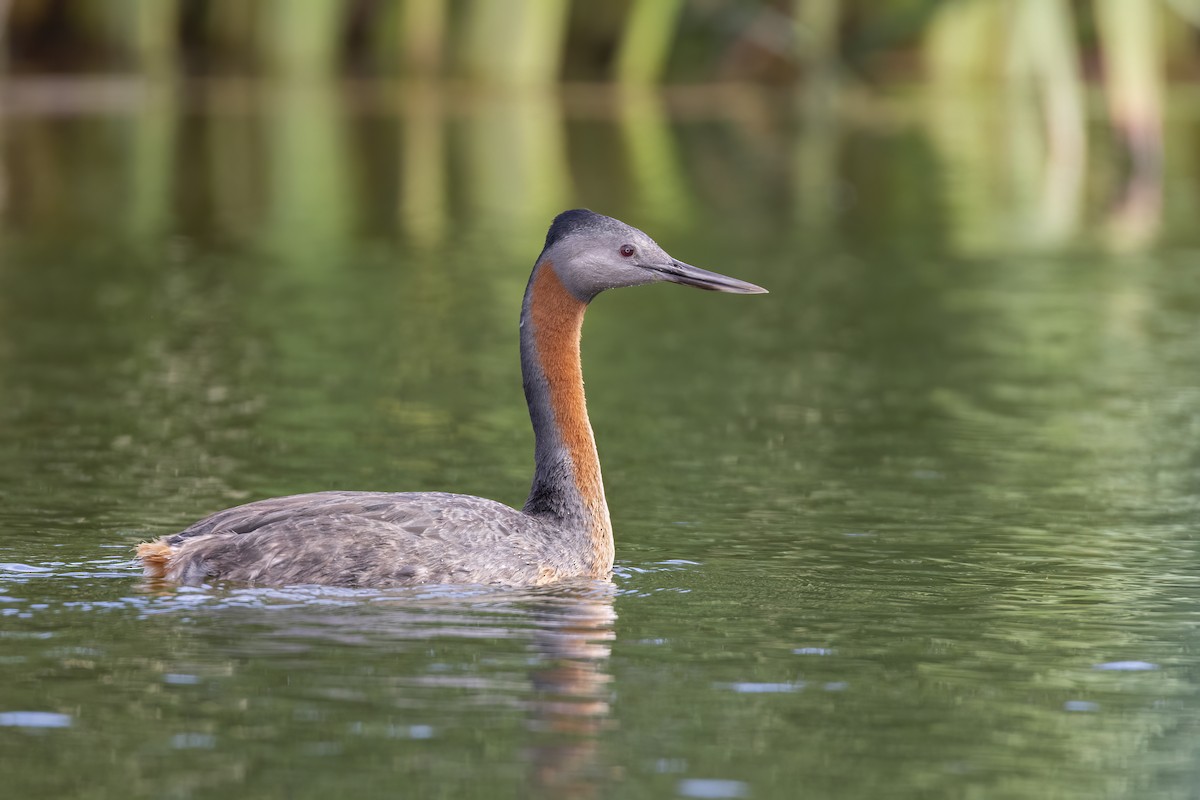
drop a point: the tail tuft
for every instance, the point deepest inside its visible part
(155, 557)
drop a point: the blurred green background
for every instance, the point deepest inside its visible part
(920, 523)
(1051, 105)
(632, 41)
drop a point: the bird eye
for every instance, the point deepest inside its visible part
(627, 250)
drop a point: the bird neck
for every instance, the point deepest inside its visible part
(567, 486)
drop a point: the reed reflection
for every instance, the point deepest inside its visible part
(656, 168)
(817, 182)
(311, 207)
(518, 174)
(1020, 94)
(423, 179)
(155, 138)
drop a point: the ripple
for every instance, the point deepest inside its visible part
(23, 568)
(711, 788)
(193, 741)
(112, 577)
(1126, 666)
(1080, 705)
(813, 651)
(749, 687)
(180, 679)
(34, 719)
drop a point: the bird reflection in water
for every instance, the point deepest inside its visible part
(570, 708)
(436, 678)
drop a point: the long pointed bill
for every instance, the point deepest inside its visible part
(679, 272)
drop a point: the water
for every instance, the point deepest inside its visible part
(920, 523)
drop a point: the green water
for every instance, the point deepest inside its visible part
(923, 522)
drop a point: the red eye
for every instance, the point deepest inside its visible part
(627, 250)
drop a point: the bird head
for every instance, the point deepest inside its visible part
(591, 252)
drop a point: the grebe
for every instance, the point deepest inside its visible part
(385, 539)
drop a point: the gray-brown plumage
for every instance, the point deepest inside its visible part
(383, 539)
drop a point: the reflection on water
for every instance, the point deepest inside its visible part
(338, 674)
(264, 159)
(920, 524)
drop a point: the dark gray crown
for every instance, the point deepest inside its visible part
(579, 220)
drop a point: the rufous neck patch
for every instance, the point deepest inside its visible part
(557, 317)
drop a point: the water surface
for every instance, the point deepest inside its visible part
(920, 523)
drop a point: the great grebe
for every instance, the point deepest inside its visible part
(383, 539)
